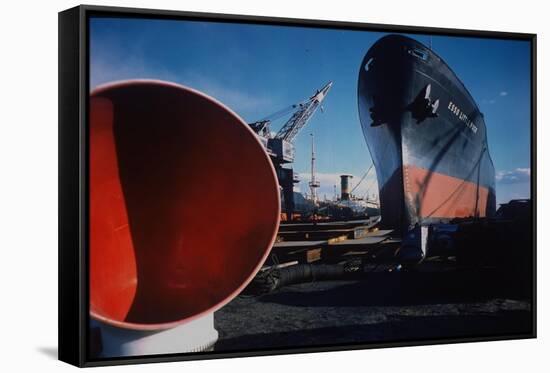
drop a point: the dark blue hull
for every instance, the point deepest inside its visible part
(426, 136)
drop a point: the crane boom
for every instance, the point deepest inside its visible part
(299, 119)
(280, 147)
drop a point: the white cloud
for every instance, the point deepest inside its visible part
(234, 98)
(518, 175)
(493, 100)
(105, 71)
(135, 67)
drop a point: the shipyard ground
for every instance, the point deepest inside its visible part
(431, 302)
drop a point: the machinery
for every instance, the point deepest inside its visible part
(280, 146)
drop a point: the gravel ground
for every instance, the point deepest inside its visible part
(383, 306)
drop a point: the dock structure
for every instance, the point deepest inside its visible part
(332, 242)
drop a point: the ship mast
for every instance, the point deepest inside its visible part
(313, 184)
(280, 146)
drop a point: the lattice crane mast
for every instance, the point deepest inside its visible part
(299, 119)
(281, 145)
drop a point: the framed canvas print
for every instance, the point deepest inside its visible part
(239, 186)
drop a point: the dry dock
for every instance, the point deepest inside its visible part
(381, 307)
(439, 298)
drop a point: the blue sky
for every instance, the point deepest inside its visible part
(258, 70)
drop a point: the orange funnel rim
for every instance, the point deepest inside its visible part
(273, 233)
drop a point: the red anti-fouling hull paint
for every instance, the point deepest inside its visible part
(438, 196)
(184, 204)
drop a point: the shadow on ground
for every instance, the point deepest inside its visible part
(50, 352)
(380, 307)
(395, 330)
(404, 289)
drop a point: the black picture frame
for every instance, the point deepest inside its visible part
(73, 176)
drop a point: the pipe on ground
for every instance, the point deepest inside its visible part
(277, 278)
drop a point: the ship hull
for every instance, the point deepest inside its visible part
(426, 136)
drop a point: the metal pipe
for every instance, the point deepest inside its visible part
(164, 248)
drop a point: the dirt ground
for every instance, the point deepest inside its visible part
(380, 307)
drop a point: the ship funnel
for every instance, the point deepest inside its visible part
(165, 249)
(345, 186)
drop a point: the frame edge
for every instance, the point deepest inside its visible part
(70, 348)
(73, 89)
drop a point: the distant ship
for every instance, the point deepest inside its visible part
(426, 136)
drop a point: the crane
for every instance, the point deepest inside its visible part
(280, 146)
(299, 119)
